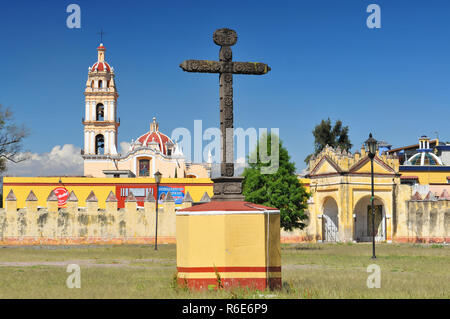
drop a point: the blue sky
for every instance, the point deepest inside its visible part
(393, 81)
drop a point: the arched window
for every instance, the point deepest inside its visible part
(144, 167)
(99, 145)
(100, 112)
(100, 84)
(92, 84)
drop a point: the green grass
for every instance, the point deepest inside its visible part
(309, 271)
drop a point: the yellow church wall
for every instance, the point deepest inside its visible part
(165, 166)
(82, 186)
(197, 169)
(95, 168)
(426, 178)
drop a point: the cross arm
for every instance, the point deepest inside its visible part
(206, 66)
(250, 68)
(203, 66)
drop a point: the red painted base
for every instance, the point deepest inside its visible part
(229, 283)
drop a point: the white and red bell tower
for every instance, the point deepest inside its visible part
(100, 122)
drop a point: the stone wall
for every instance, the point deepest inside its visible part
(425, 220)
(73, 225)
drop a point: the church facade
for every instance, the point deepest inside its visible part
(151, 152)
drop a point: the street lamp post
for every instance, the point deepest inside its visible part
(157, 180)
(371, 147)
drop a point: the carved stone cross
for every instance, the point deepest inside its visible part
(226, 187)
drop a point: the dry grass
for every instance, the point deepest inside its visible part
(309, 271)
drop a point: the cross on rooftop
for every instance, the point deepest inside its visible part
(101, 35)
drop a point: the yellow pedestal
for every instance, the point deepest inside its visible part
(229, 244)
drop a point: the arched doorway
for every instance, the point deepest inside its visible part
(330, 220)
(363, 220)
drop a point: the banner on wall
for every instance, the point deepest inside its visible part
(176, 192)
(63, 194)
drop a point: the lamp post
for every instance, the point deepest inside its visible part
(371, 148)
(157, 180)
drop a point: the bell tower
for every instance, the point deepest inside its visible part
(100, 122)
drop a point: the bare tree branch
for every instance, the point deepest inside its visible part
(11, 137)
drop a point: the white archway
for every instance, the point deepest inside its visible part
(330, 220)
(363, 220)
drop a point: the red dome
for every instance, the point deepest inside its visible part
(154, 137)
(101, 66)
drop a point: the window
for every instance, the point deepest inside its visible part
(99, 145)
(144, 165)
(100, 84)
(100, 112)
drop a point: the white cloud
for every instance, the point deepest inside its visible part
(65, 160)
(124, 147)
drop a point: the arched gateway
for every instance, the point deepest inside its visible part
(330, 220)
(363, 220)
(340, 186)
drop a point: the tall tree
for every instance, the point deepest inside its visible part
(335, 136)
(11, 137)
(281, 189)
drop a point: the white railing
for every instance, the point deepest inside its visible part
(100, 89)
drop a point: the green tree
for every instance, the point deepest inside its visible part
(11, 137)
(281, 189)
(325, 134)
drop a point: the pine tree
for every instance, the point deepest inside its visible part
(324, 134)
(281, 189)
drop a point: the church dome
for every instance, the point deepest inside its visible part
(101, 65)
(424, 155)
(155, 139)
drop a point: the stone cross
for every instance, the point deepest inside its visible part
(225, 38)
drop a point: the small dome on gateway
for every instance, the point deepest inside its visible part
(155, 140)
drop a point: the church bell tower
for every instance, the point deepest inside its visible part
(100, 122)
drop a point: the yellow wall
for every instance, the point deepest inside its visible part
(82, 186)
(305, 182)
(426, 178)
(89, 225)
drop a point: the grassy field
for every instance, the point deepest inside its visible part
(309, 271)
